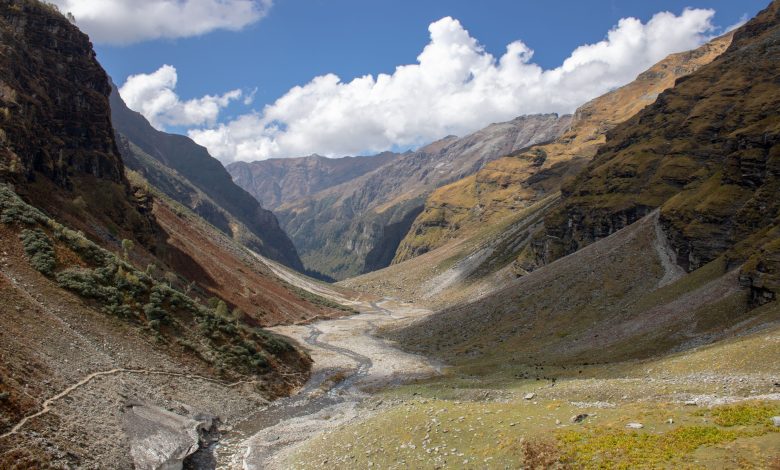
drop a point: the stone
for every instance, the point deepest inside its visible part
(160, 439)
(635, 425)
(579, 418)
(776, 421)
(529, 396)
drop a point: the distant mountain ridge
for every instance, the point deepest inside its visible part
(200, 174)
(356, 226)
(277, 181)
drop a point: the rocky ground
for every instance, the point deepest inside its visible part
(349, 363)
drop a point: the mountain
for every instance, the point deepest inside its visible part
(667, 239)
(474, 236)
(515, 182)
(200, 183)
(355, 227)
(125, 316)
(276, 181)
(705, 154)
(58, 148)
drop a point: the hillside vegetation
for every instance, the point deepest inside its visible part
(516, 181)
(706, 153)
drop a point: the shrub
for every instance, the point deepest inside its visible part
(39, 250)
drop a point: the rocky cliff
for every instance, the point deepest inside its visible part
(706, 153)
(355, 227)
(513, 183)
(56, 143)
(280, 180)
(227, 206)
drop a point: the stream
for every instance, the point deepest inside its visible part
(348, 360)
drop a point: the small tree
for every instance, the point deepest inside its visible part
(222, 309)
(237, 313)
(151, 270)
(127, 247)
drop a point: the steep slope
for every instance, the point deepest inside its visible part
(221, 267)
(355, 227)
(668, 249)
(279, 180)
(110, 334)
(228, 207)
(517, 181)
(474, 236)
(706, 152)
(55, 127)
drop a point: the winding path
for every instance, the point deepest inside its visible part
(47, 404)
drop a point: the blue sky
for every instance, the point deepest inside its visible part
(298, 40)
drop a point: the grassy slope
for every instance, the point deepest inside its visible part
(706, 153)
(604, 332)
(478, 418)
(509, 184)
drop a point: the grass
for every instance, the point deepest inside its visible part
(597, 448)
(744, 414)
(459, 429)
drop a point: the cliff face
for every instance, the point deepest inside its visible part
(41, 100)
(706, 153)
(512, 183)
(356, 227)
(56, 142)
(280, 180)
(225, 205)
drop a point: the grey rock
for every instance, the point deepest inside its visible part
(160, 439)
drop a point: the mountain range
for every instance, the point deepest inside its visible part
(595, 290)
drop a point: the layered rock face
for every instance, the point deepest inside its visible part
(54, 119)
(356, 227)
(56, 142)
(201, 183)
(706, 152)
(512, 183)
(280, 180)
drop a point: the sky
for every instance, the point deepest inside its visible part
(255, 79)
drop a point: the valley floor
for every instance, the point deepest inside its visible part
(350, 363)
(370, 405)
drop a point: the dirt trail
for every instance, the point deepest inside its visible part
(49, 403)
(348, 362)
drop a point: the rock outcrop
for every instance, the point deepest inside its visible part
(706, 152)
(56, 142)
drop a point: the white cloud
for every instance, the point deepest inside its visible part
(742, 20)
(130, 21)
(454, 88)
(153, 96)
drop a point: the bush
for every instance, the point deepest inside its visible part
(39, 250)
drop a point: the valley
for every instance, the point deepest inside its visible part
(591, 284)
